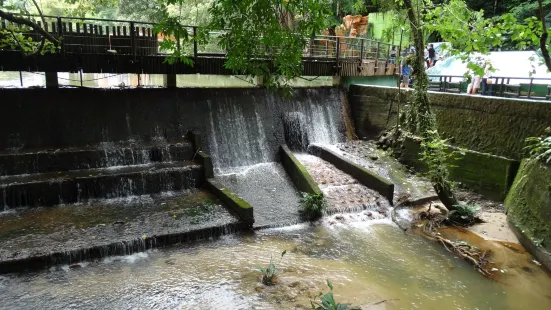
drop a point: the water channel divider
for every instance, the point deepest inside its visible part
(233, 203)
(302, 180)
(364, 176)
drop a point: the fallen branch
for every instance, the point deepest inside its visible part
(23, 21)
(385, 300)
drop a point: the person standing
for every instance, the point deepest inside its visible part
(393, 54)
(432, 55)
(406, 72)
(476, 84)
(486, 81)
(427, 64)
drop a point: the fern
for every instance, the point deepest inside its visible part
(540, 147)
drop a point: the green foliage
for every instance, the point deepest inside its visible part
(16, 38)
(327, 301)
(313, 205)
(465, 210)
(436, 155)
(463, 214)
(540, 147)
(268, 34)
(269, 273)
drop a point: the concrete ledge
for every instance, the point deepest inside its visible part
(206, 162)
(199, 156)
(234, 203)
(364, 176)
(297, 172)
(486, 174)
(40, 261)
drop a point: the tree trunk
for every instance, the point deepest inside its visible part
(543, 38)
(419, 117)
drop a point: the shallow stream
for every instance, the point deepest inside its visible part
(371, 263)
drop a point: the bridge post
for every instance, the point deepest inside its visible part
(195, 43)
(133, 40)
(51, 80)
(260, 80)
(169, 80)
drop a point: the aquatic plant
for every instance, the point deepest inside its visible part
(269, 272)
(464, 213)
(312, 205)
(540, 147)
(327, 301)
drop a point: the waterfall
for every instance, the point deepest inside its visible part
(238, 138)
(247, 130)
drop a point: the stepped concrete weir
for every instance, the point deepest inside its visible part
(96, 175)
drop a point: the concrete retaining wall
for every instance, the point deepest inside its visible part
(364, 176)
(491, 125)
(528, 206)
(487, 174)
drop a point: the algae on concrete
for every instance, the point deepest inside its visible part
(484, 173)
(234, 203)
(528, 206)
(528, 203)
(297, 172)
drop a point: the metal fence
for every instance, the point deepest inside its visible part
(502, 86)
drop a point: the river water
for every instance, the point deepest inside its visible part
(367, 262)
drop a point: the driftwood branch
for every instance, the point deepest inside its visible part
(23, 21)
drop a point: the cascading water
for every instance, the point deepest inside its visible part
(237, 139)
(244, 139)
(242, 134)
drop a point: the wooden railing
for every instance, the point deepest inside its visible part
(99, 36)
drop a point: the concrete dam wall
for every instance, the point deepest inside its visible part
(240, 126)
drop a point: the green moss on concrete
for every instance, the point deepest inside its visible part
(232, 202)
(487, 174)
(528, 203)
(297, 172)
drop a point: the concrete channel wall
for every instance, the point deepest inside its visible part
(528, 206)
(497, 126)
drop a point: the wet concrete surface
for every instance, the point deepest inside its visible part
(269, 190)
(38, 232)
(342, 192)
(106, 154)
(406, 182)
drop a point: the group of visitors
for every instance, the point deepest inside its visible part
(406, 70)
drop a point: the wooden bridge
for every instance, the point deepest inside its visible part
(118, 46)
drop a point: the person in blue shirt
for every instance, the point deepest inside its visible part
(406, 72)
